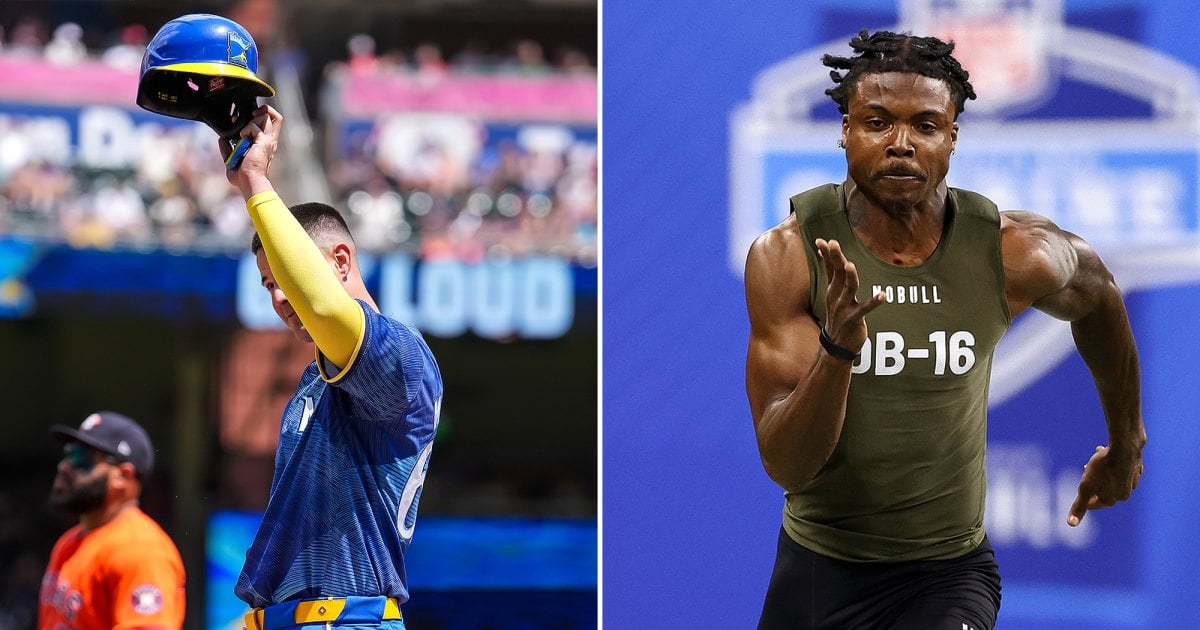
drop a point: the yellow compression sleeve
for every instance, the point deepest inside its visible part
(334, 319)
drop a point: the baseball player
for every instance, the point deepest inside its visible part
(117, 568)
(355, 440)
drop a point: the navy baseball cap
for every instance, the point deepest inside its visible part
(114, 434)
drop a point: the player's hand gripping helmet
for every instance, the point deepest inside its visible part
(203, 67)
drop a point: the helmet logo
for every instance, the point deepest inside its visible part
(237, 50)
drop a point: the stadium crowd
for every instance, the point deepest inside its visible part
(455, 188)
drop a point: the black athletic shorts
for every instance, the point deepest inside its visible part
(809, 591)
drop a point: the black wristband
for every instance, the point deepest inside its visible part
(835, 350)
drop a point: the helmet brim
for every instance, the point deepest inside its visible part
(219, 70)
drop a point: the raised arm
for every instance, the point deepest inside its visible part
(797, 390)
(305, 273)
(1058, 273)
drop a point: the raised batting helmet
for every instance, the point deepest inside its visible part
(203, 67)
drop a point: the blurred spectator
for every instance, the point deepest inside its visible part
(577, 192)
(127, 52)
(121, 207)
(393, 61)
(362, 59)
(377, 215)
(36, 192)
(528, 59)
(66, 47)
(572, 61)
(356, 162)
(222, 214)
(173, 215)
(429, 62)
(429, 152)
(82, 226)
(545, 149)
(28, 38)
(474, 59)
(15, 149)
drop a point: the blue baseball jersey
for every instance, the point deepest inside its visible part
(353, 451)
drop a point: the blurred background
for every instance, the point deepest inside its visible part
(714, 114)
(459, 138)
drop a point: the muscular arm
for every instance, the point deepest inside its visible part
(1058, 273)
(797, 391)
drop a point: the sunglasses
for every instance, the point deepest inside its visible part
(80, 457)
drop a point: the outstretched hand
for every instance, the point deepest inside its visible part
(264, 129)
(1107, 478)
(845, 316)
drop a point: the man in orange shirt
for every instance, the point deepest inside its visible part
(117, 568)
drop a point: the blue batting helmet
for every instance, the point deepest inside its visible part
(200, 66)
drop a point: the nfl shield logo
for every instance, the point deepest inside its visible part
(1001, 44)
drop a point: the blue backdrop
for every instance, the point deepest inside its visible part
(690, 519)
(473, 572)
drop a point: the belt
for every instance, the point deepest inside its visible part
(321, 611)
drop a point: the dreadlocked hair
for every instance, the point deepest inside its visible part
(892, 52)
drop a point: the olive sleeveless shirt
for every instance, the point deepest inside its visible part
(907, 478)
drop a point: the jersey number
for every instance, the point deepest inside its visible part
(416, 480)
(889, 354)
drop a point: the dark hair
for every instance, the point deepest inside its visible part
(317, 219)
(891, 52)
